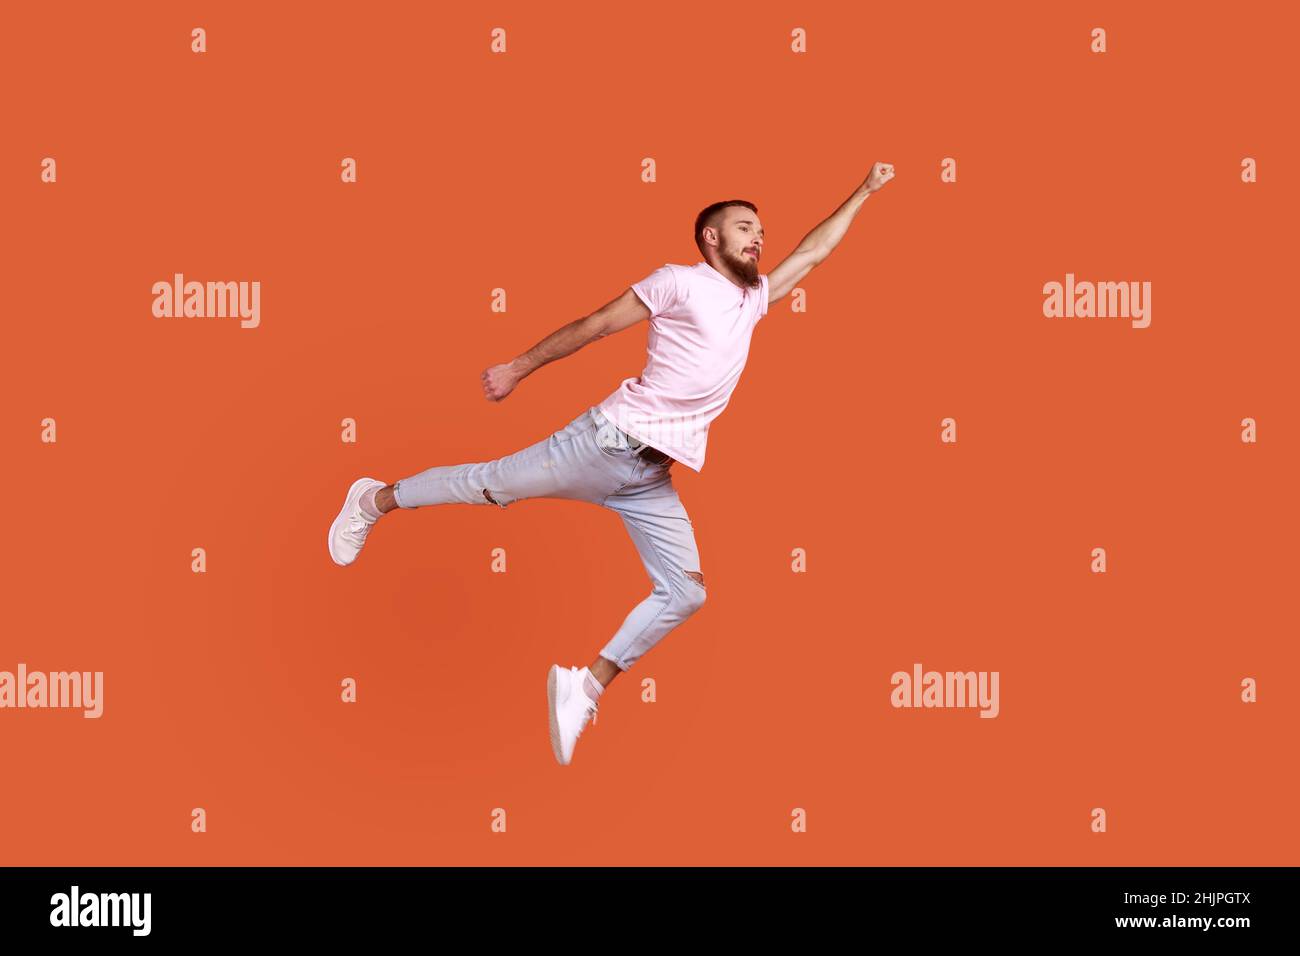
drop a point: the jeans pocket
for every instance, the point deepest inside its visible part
(611, 442)
(614, 451)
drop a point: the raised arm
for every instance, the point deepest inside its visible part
(621, 313)
(819, 243)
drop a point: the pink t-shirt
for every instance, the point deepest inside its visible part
(700, 326)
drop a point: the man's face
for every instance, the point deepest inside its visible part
(740, 243)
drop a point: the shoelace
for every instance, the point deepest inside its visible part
(358, 527)
(592, 707)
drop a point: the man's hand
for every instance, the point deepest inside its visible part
(880, 174)
(499, 381)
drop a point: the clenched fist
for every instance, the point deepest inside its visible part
(880, 174)
(498, 382)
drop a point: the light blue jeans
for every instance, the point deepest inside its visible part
(591, 459)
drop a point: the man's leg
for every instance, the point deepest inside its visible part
(604, 669)
(558, 466)
(660, 528)
(569, 463)
(662, 532)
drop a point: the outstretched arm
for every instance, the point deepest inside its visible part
(628, 309)
(819, 243)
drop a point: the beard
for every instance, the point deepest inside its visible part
(742, 265)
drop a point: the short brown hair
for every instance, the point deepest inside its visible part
(705, 218)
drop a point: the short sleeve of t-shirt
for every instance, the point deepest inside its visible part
(762, 302)
(658, 290)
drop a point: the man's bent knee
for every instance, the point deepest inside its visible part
(694, 597)
(488, 495)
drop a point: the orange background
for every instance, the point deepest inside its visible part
(522, 171)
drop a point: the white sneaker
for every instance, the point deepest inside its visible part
(349, 530)
(569, 707)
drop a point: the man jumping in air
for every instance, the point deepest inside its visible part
(619, 453)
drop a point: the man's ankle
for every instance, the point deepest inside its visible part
(592, 686)
(369, 505)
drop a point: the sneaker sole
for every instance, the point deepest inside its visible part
(354, 493)
(551, 713)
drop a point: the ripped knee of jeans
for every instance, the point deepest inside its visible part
(695, 576)
(488, 495)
